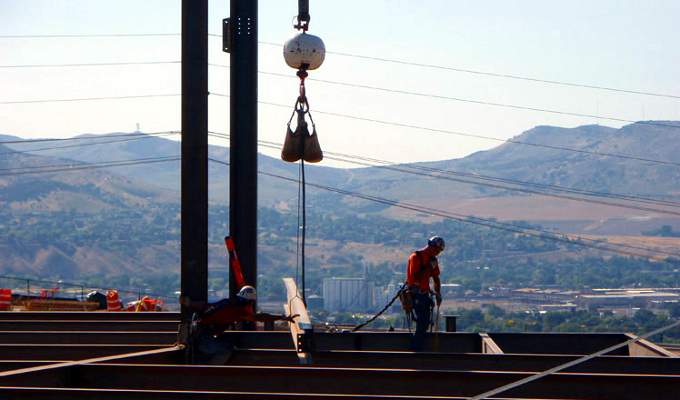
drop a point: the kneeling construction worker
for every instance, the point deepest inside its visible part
(423, 265)
(212, 319)
(227, 313)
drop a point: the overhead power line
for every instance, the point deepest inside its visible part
(429, 172)
(88, 35)
(494, 74)
(378, 59)
(536, 232)
(545, 231)
(443, 174)
(46, 169)
(472, 135)
(106, 64)
(141, 96)
(463, 100)
(134, 134)
(140, 137)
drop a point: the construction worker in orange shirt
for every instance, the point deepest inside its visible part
(226, 313)
(423, 265)
(208, 344)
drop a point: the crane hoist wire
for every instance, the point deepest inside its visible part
(302, 52)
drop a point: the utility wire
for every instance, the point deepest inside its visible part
(88, 35)
(141, 96)
(472, 135)
(135, 134)
(549, 232)
(471, 101)
(79, 167)
(536, 232)
(516, 228)
(81, 164)
(89, 64)
(146, 136)
(434, 173)
(371, 58)
(494, 74)
(50, 168)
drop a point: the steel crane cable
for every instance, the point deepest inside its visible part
(468, 219)
(356, 160)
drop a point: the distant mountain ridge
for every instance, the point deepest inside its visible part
(97, 209)
(555, 166)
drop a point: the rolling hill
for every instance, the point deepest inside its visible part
(77, 219)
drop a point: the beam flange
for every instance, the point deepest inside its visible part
(488, 345)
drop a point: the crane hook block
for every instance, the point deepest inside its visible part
(304, 51)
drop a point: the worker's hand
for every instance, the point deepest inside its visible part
(438, 298)
(291, 318)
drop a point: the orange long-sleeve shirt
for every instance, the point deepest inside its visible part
(421, 267)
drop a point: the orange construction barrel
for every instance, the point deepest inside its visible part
(112, 301)
(5, 299)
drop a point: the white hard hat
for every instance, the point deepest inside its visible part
(304, 49)
(247, 292)
(436, 241)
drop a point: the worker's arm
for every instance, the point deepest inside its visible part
(412, 269)
(437, 289)
(263, 317)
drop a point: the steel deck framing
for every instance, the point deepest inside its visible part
(367, 365)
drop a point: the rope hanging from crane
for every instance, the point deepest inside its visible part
(303, 52)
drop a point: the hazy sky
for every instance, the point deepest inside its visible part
(614, 43)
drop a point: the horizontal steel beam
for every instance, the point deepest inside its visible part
(88, 325)
(92, 315)
(347, 381)
(68, 351)
(373, 341)
(458, 361)
(60, 337)
(558, 343)
(27, 393)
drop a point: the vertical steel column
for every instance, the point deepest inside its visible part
(194, 151)
(243, 142)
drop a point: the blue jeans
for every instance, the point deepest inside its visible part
(422, 305)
